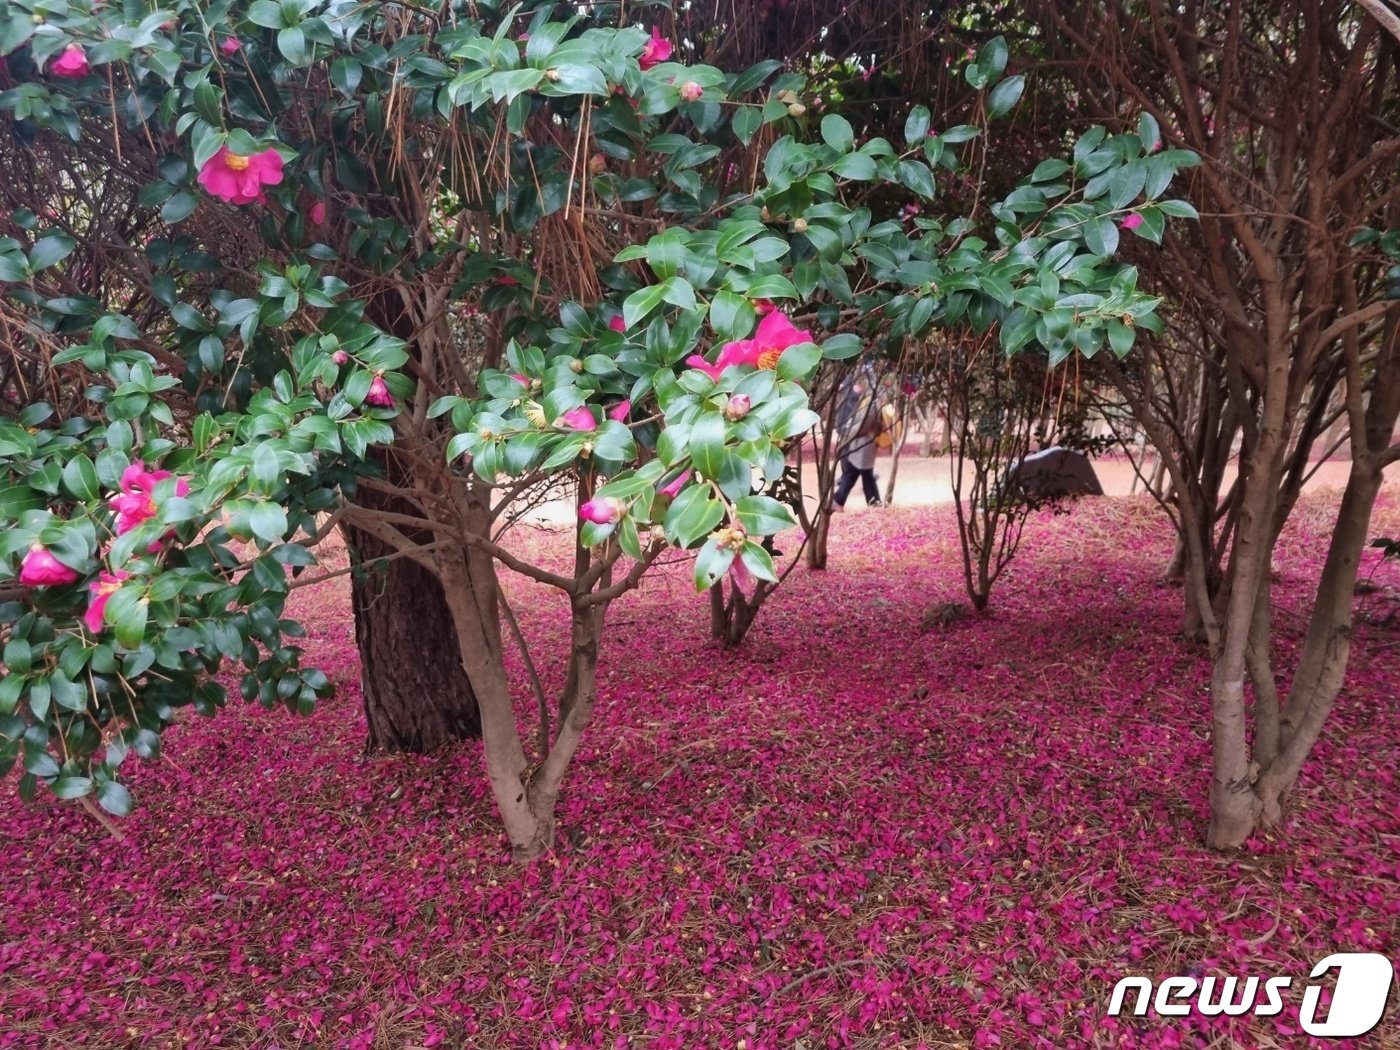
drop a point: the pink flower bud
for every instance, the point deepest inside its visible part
(602, 510)
(340, 357)
(230, 45)
(1132, 221)
(379, 395)
(675, 485)
(318, 213)
(737, 408)
(617, 324)
(42, 569)
(620, 411)
(691, 91)
(523, 380)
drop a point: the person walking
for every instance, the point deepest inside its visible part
(857, 452)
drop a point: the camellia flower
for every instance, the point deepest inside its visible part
(617, 324)
(676, 485)
(620, 411)
(42, 569)
(106, 585)
(378, 394)
(230, 45)
(602, 511)
(318, 212)
(240, 180)
(775, 334)
(658, 50)
(578, 419)
(136, 503)
(691, 91)
(73, 62)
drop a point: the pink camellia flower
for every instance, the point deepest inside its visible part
(42, 569)
(691, 91)
(620, 411)
(675, 486)
(230, 45)
(658, 50)
(136, 503)
(617, 324)
(340, 357)
(378, 394)
(240, 180)
(72, 63)
(1132, 221)
(106, 585)
(602, 510)
(318, 213)
(775, 334)
(580, 418)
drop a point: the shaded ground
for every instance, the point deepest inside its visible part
(847, 833)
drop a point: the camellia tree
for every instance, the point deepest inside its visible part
(189, 425)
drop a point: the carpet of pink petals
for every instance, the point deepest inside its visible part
(849, 832)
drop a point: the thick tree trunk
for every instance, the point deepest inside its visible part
(416, 696)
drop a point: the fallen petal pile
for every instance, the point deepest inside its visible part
(849, 832)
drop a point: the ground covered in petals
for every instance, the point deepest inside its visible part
(850, 832)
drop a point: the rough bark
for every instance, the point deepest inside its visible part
(416, 696)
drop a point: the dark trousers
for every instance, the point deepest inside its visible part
(848, 482)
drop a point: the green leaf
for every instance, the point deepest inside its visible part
(758, 562)
(268, 521)
(917, 177)
(80, 478)
(707, 444)
(1183, 210)
(763, 515)
(641, 303)
(797, 361)
(1005, 95)
(126, 611)
(114, 798)
(693, 514)
(267, 14)
(841, 347)
(856, 167)
(50, 249)
(837, 133)
(916, 125)
(1148, 133)
(711, 563)
(731, 316)
(1120, 337)
(745, 122)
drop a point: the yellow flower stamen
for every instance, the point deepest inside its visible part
(236, 163)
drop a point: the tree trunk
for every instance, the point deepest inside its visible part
(416, 696)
